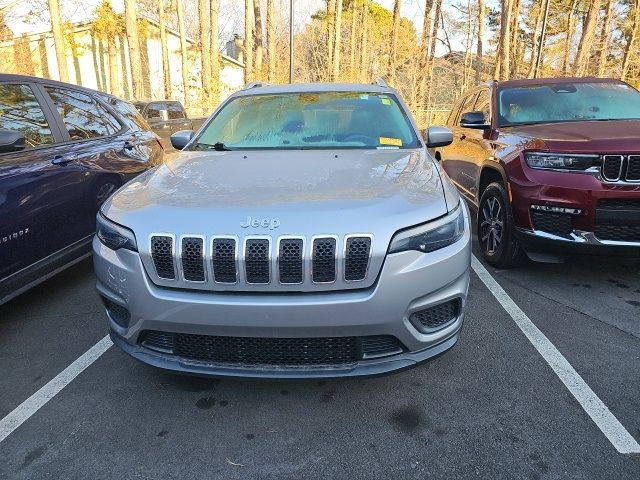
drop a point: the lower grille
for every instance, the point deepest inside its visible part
(260, 351)
(618, 219)
(434, 318)
(618, 233)
(556, 223)
(117, 312)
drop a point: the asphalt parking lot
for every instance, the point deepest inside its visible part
(493, 407)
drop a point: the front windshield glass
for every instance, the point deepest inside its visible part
(568, 102)
(310, 121)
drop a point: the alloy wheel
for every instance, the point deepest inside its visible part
(492, 225)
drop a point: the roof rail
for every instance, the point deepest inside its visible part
(251, 85)
(380, 82)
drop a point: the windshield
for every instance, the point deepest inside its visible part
(568, 102)
(310, 121)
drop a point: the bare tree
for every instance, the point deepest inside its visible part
(58, 40)
(166, 75)
(571, 27)
(338, 41)
(514, 30)
(605, 33)
(364, 62)
(215, 53)
(205, 48)
(503, 57)
(586, 40)
(331, 16)
(352, 40)
(133, 39)
(259, 48)
(479, 43)
(271, 40)
(539, 5)
(183, 51)
(630, 47)
(424, 52)
(394, 40)
(248, 40)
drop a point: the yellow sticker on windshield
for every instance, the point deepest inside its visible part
(390, 141)
(385, 101)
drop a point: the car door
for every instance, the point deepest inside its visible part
(473, 146)
(94, 137)
(37, 196)
(178, 117)
(455, 156)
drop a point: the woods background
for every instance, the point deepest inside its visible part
(430, 50)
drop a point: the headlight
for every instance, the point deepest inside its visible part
(431, 236)
(113, 235)
(560, 161)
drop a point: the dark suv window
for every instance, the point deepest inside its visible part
(83, 117)
(175, 111)
(20, 111)
(154, 110)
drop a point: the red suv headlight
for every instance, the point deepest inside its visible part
(561, 161)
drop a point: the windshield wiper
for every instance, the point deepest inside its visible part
(218, 146)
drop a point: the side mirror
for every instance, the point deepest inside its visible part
(11, 141)
(438, 137)
(180, 139)
(474, 120)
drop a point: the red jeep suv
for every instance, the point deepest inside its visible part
(551, 166)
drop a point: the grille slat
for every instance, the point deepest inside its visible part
(633, 168)
(193, 259)
(323, 260)
(265, 351)
(223, 260)
(356, 260)
(256, 259)
(290, 260)
(611, 167)
(162, 255)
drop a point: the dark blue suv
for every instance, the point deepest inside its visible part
(64, 150)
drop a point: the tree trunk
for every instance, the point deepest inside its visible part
(338, 41)
(629, 49)
(183, 50)
(352, 50)
(166, 75)
(205, 49)
(432, 50)
(504, 46)
(271, 40)
(131, 27)
(605, 33)
(515, 30)
(424, 53)
(586, 40)
(479, 44)
(571, 26)
(248, 40)
(258, 39)
(364, 63)
(114, 84)
(535, 39)
(331, 15)
(58, 40)
(214, 53)
(391, 72)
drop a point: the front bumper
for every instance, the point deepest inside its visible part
(408, 282)
(574, 233)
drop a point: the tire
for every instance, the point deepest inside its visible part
(495, 229)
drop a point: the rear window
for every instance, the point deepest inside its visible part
(130, 114)
(311, 121)
(568, 102)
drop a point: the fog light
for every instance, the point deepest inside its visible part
(552, 209)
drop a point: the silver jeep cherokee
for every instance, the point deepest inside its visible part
(304, 231)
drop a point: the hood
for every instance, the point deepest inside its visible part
(610, 136)
(323, 191)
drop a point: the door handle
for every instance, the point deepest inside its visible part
(62, 160)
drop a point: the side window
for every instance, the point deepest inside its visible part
(83, 117)
(155, 111)
(483, 104)
(130, 114)
(175, 111)
(467, 106)
(20, 111)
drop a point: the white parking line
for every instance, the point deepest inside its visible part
(620, 438)
(35, 402)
